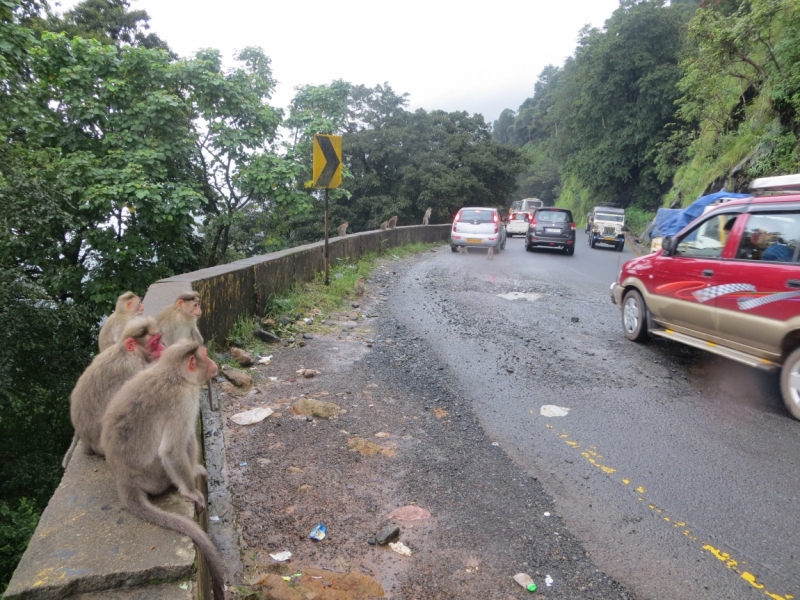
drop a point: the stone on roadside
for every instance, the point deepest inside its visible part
(285, 319)
(266, 336)
(388, 534)
(294, 470)
(316, 408)
(238, 378)
(575, 319)
(308, 336)
(242, 357)
(308, 373)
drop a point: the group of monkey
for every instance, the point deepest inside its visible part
(390, 224)
(137, 404)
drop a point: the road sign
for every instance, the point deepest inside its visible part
(327, 169)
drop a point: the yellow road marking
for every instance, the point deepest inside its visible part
(590, 454)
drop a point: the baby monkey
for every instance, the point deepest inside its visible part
(342, 229)
(150, 439)
(392, 223)
(360, 286)
(139, 345)
(129, 305)
(178, 321)
(384, 225)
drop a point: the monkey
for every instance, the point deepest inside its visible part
(427, 216)
(384, 225)
(462, 250)
(151, 445)
(490, 253)
(359, 287)
(178, 321)
(342, 229)
(393, 222)
(139, 345)
(129, 305)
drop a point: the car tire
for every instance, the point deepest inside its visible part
(620, 246)
(453, 248)
(528, 248)
(591, 242)
(570, 251)
(790, 383)
(634, 316)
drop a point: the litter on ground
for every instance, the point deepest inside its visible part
(551, 410)
(250, 417)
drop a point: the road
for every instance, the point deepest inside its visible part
(676, 469)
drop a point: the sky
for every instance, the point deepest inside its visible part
(480, 56)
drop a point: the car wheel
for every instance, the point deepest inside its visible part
(634, 317)
(591, 242)
(453, 248)
(570, 251)
(528, 248)
(790, 383)
(621, 246)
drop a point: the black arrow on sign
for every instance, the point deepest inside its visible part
(331, 162)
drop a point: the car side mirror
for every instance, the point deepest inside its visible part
(667, 245)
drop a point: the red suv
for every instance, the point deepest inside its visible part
(729, 283)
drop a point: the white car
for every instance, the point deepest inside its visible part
(518, 224)
(477, 227)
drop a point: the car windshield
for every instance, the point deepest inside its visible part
(609, 217)
(552, 216)
(477, 216)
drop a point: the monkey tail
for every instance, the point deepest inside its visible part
(70, 451)
(136, 502)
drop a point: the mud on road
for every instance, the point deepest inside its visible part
(290, 472)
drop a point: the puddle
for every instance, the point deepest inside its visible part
(529, 296)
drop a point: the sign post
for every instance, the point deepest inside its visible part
(327, 173)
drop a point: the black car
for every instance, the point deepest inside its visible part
(552, 228)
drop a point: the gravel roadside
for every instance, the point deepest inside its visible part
(290, 472)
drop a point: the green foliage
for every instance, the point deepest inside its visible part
(638, 219)
(16, 528)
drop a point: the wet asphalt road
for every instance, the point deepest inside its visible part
(676, 469)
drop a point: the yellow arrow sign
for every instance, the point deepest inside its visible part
(327, 169)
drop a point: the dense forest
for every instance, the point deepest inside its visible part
(665, 102)
(122, 163)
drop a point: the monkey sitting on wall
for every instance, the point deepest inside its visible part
(178, 321)
(139, 345)
(393, 222)
(427, 216)
(149, 436)
(342, 229)
(129, 305)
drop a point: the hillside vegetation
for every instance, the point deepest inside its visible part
(664, 103)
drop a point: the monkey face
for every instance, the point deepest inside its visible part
(194, 309)
(154, 346)
(202, 366)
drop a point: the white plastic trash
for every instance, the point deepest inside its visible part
(551, 410)
(250, 417)
(281, 556)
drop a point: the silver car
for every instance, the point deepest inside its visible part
(478, 227)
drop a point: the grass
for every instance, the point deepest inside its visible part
(314, 299)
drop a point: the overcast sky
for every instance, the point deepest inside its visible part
(480, 56)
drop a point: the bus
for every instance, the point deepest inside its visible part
(528, 205)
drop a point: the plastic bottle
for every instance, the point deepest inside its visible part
(525, 581)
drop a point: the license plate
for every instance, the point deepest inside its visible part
(552, 230)
(474, 241)
(611, 239)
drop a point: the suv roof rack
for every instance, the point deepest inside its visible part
(780, 183)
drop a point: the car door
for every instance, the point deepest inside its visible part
(761, 281)
(683, 284)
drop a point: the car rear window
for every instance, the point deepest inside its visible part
(520, 216)
(554, 216)
(477, 216)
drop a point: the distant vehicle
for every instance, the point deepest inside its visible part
(608, 227)
(478, 227)
(518, 224)
(728, 283)
(551, 228)
(528, 205)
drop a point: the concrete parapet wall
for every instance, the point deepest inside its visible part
(86, 543)
(244, 287)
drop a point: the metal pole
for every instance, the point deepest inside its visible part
(327, 259)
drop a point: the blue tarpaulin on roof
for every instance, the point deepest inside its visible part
(670, 221)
